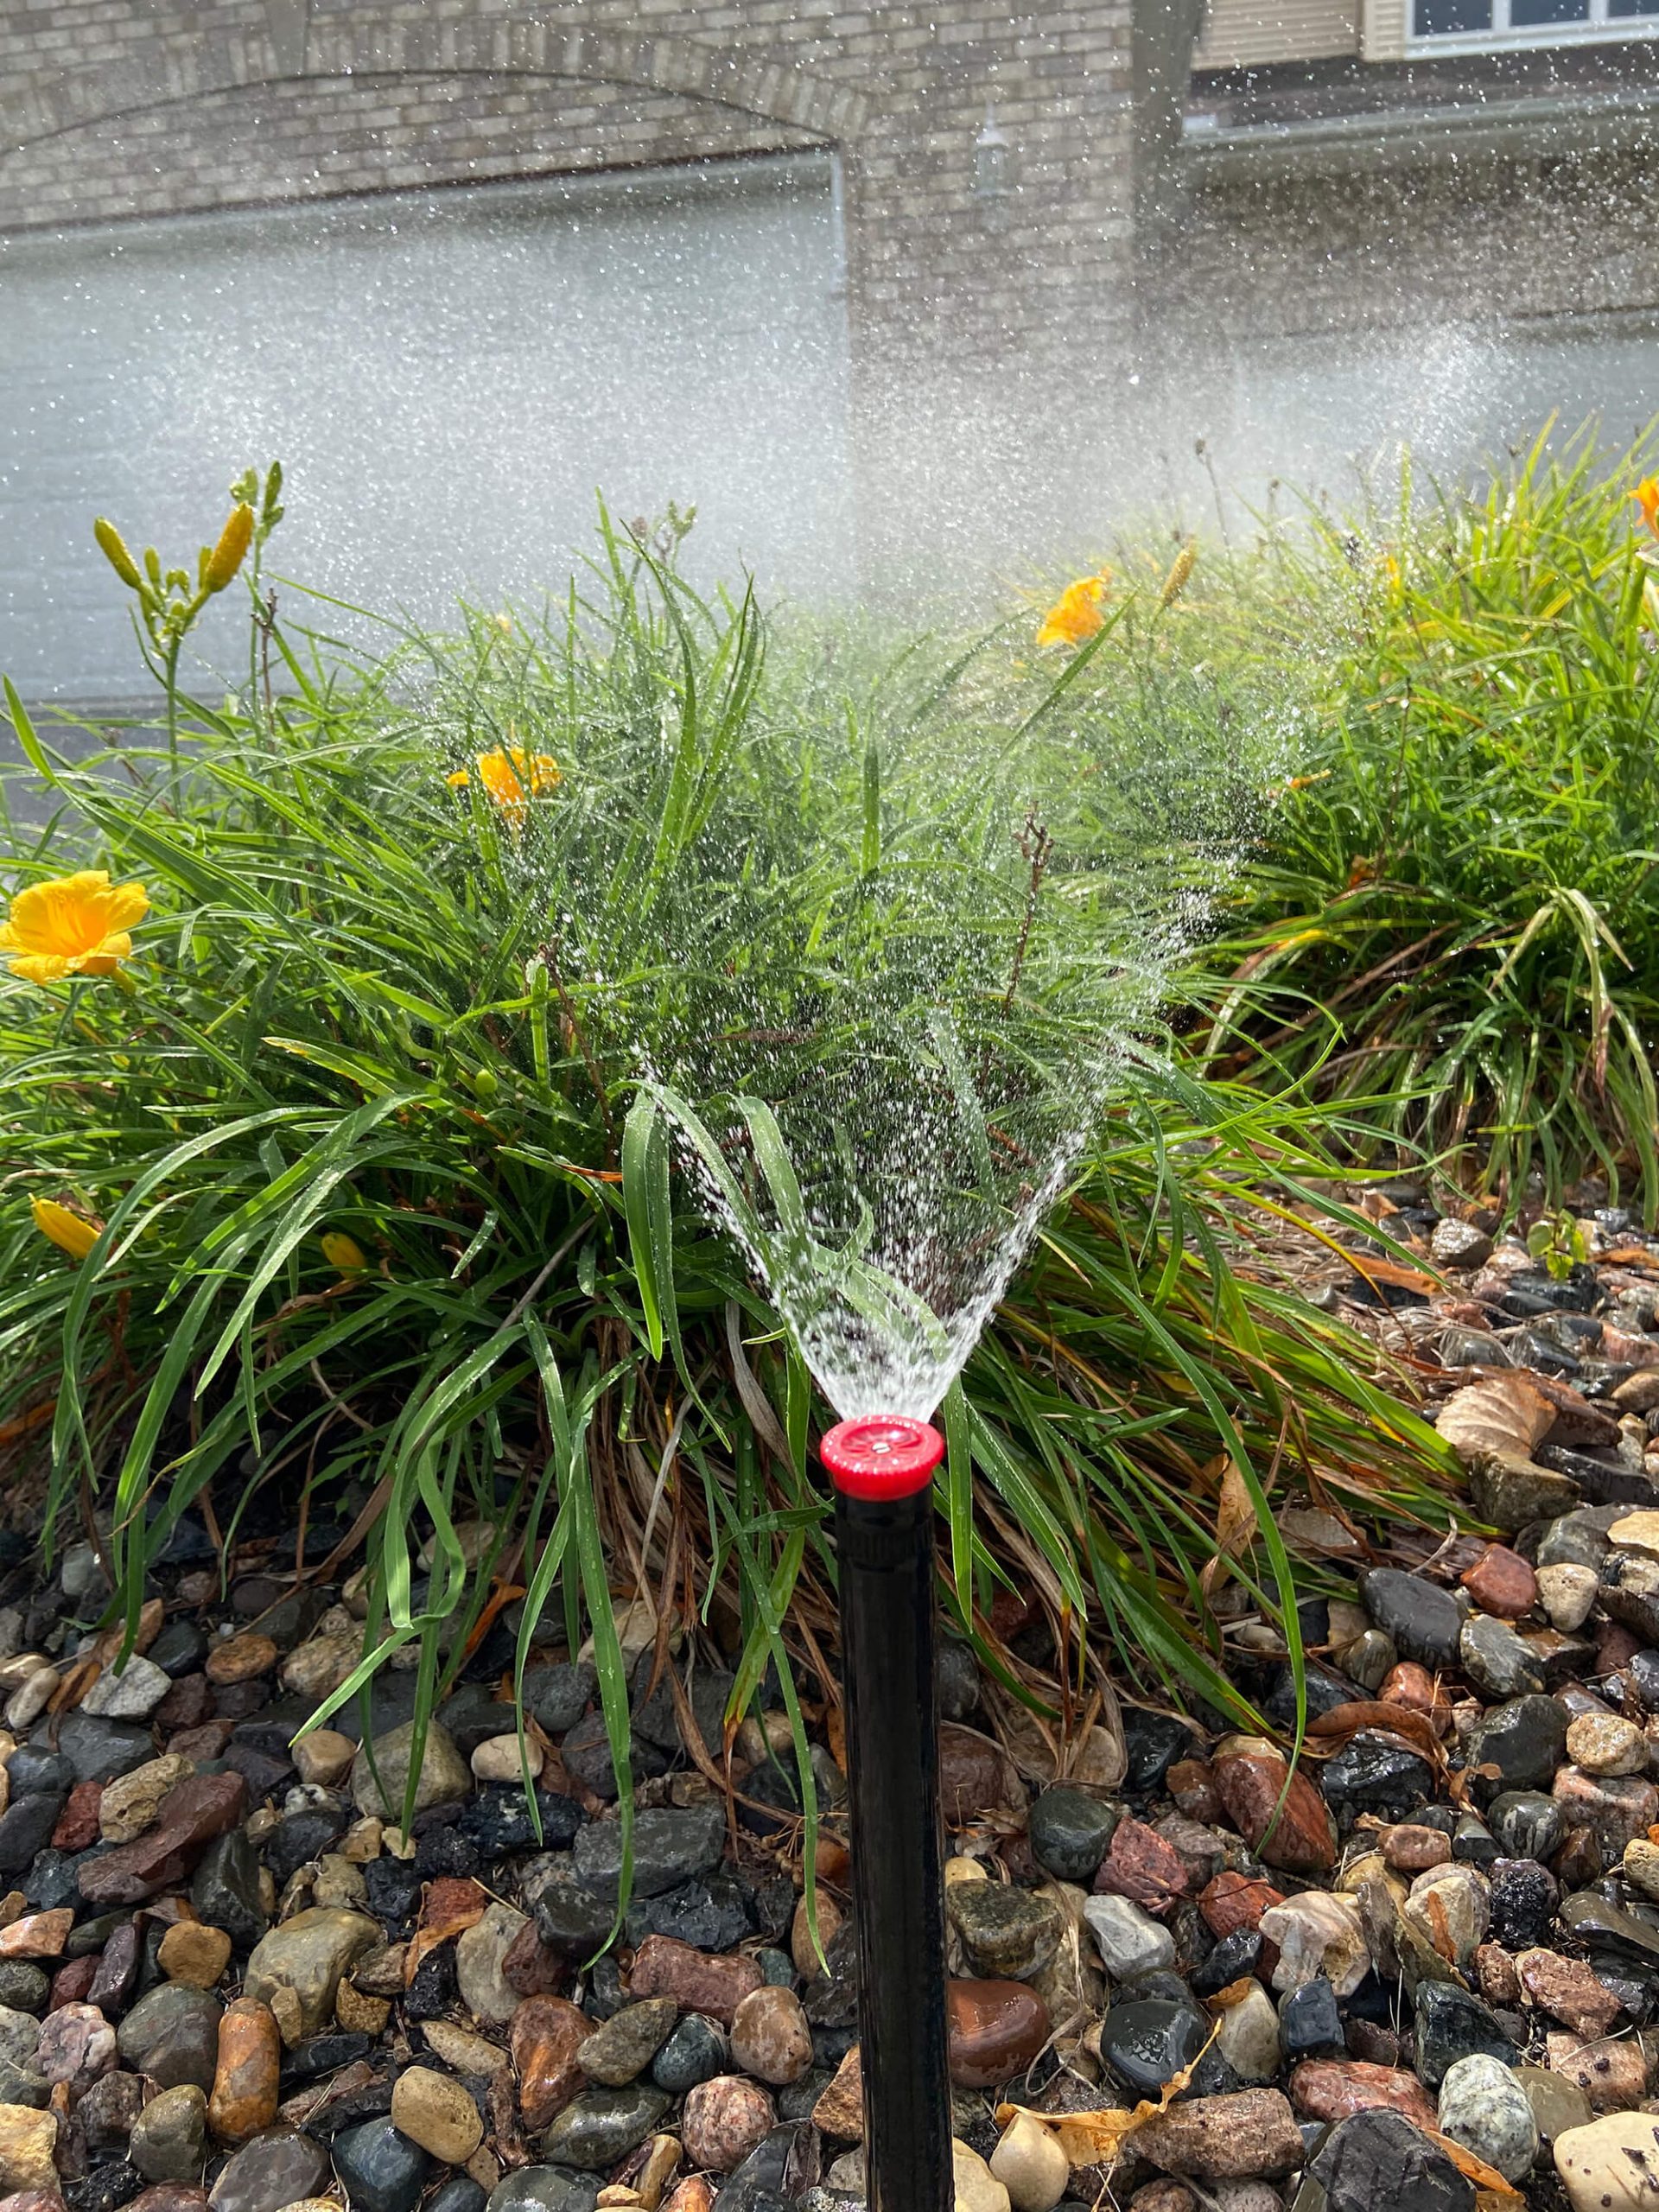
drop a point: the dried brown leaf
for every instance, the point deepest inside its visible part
(1502, 1414)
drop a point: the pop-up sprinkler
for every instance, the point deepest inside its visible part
(882, 1467)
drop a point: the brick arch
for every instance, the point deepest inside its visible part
(378, 41)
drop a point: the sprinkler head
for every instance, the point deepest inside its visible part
(882, 1456)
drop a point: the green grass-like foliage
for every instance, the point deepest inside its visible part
(369, 1006)
(1462, 874)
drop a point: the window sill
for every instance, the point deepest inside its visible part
(1627, 29)
(1419, 136)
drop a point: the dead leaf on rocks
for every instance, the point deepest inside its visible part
(1504, 1414)
(1237, 1527)
(1092, 1756)
(1096, 2138)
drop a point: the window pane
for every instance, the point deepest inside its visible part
(1621, 8)
(1524, 14)
(1444, 18)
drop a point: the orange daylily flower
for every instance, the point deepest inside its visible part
(78, 925)
(512, 776)
(1075, 616)
(70, 1232)
(1646, 496)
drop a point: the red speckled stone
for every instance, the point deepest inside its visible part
(77, 1828)
(1143, 1866)
(1303, 1840)
(1334, 2088)
(1501, 1582)
(1235, 1901)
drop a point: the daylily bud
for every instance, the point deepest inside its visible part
(343, 1252)
(68, 1231)
(115, 552)
(233, 542)
(1175, 582)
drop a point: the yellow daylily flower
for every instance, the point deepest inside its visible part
(512, 776)
(70, 1232)
(343, 1252)
(1075, 616)
(77, 925)
(1646, 496)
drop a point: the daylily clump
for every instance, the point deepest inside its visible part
(76, 925)
(512, 776)
(1076, 614)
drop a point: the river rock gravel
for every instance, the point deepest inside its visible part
(1424, 1962)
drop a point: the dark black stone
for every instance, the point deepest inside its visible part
(264, 1774)
(958, 1675)
(381, 2169)
(557, 1696)
(1153, 1742)
(326, 2054)
(1524, 1740)
(830, 2000)
(302, 1837)
(225, 1888)
(1327, 1690)
(1373, 1774)
(446, 1851)
(1452, 2023)
(1527, 1824)
(475, 1713)
(1378, 2162)
(1473, 1843)
(434, 1990)
(669, 1847)
(373, 2101)
(1524, 1900)
(1423, 1619)
(26, 1829)
(774, 2175)
(103, 1751)
(1595, 1921)
(394, 1889)
(696, 2051)
(1233, 1956)
(55, 1879)
(1310, 2025)
(1147, 2040)
(33, 1770)
(1069, 1831)
(104, 2188)
(460, 2195)
(497, 1819)
(711, 1914)
(1601, 1482)
(179, 1649)
(569, 1919)
(586, 1753)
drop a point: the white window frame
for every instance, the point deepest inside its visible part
(1600, 28)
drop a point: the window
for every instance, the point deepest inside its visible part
(1470, 23)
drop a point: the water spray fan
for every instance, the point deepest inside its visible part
(882, 1468)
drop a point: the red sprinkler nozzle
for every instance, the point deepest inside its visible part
(882, 1456)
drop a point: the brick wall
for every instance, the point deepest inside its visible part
(117, 107)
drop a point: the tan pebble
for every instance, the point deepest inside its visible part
(965, 1870)
(241, 1658)
(435, 2111)
(498, 1759)
(194, 1953)
(362, 1841)
(325, 1756)
(361, 2014)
